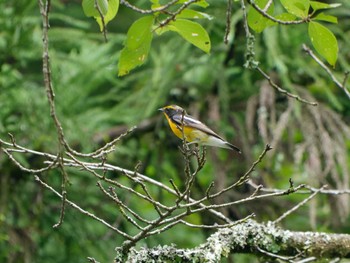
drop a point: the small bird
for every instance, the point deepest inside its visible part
(193, 130)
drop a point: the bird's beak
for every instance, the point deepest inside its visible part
(161, 109)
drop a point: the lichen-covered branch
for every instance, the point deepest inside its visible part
(249, 237)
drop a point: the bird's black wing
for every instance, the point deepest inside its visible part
(189, 121)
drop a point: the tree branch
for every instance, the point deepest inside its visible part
(341, 85)
(251, 237)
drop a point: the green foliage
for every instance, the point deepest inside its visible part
(324, 42)
(113, 7)
(140, 34)
(256, 21)
(321, 37)
(192, 32)
(91, 7)
(299, 8)
(137, 46)
(108, 9)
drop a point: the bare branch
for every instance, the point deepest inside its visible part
(273, 255)
(228, 20)
(283, 91)
(339, 84)
(216, 226)
(293, 209)
(264, 13)
(120, 205)
(244, 177)
(251, 63)
(245, 238)
(148, 11)
(244, 200)
(309, 191)
(178, 11)
(81, 210)
(267, 6)
(28, 170)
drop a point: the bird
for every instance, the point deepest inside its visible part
(193, 130)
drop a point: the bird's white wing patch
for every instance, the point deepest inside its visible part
(189, 119)
(216, 142)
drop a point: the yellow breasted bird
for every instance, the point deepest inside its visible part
(193, 130)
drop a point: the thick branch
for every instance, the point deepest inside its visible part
(251, 237)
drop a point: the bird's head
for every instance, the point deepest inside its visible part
(172, 110)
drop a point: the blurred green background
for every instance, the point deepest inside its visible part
(311, 144)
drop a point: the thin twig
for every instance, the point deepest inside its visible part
(20, 166)
(92, 260)
(97, 166)
(244, 200)
(115, 183)
(244, 177)
(293, 209)
(283, 91)
(120, 205)
(104, 29)
(251, 63)
(341, 85)
(148, 11)
(268, 16)
(216, 226)
(45, 10)
(273, 255)
(81, 210)
(177, 12)
(310, 190)
(228, 20)
(267, 6)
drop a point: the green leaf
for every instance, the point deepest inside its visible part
(328, 18)
(318, 5)
(113, 6)
(258, 22)
(137, 45)
(299, 8)
(139, 31)
(324, 42)
(90, 9)
(193, 14)
(192, 32)
(286, 17)
(282, 17)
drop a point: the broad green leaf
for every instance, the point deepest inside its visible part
(193, 14)
(130, 59)
(282, 17)
(318, 5)
(324, 42)
(139, 31)
(162, 29)
(286, 17)
(90, 9)
(299, 8)
(113, 6)
(256, 21)
(328, 18)
(192, 32)
(137, 45)
(201, 3)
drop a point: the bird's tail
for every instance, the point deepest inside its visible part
(232, 147)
